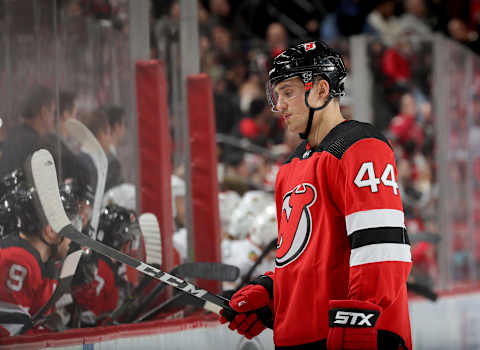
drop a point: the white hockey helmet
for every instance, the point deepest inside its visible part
(122, 195)
(252, 203)
(179, 189)
(264, 228)
(227, 202)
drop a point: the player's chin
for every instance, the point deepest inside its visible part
(295, 127)
(63, 249)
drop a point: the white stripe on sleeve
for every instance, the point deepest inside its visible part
(380, 252)
(374, 218)
(12, 328)
(9, 307)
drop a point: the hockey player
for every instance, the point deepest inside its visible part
(343, 254)
(245, 252)
(100, 282)
(27, 258)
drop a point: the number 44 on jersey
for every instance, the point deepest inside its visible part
(366, 177)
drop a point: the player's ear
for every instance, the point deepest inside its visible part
(49, 234)
(320, 92)
(323, 89)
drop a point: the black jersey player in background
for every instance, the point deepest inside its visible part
(343, 254)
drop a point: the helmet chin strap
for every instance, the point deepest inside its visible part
(304, 135)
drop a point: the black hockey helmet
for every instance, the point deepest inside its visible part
(16, 209)
(18, 212)
(308, 61)
(80, 189)
(11, 181)
(117, 226)
(8, 219)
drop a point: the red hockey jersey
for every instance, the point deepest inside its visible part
(101, 295)
(26, 283)
(341, 235)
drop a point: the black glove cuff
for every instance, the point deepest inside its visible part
(266, 282)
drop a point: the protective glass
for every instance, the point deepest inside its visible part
(286, 93)
(76, 220)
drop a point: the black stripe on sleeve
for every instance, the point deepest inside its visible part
(377, 235)
(15, 318)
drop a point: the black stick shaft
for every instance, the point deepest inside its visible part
(70, 232)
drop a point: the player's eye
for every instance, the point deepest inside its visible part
(288, 93)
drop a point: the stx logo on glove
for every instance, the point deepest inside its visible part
(352, 318)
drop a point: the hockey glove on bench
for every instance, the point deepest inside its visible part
(251, 301)
(352, 325)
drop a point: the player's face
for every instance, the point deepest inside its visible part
(290, 104)
(62, 249)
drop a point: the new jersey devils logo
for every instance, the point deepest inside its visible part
(295, 224)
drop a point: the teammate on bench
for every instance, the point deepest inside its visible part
(100, 283)
(27, 255)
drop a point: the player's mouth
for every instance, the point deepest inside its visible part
(286, 116)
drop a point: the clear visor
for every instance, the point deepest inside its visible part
(76, 221)
(283, 92)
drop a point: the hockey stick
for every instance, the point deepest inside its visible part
(44, 178)
(157, 308)
(205, 270)
(422, 290)
(90, 145)
(151, 233)
(65, 279)
(121, 309)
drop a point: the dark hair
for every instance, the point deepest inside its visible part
(39, 96)
(95, 121)
(66, 101)
(257, 106)
(115, 114)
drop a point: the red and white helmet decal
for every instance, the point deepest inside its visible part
(309, 46)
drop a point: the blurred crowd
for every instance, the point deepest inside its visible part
(237, 42)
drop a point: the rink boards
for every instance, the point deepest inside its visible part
(453, 322)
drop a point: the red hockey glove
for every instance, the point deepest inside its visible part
(250, 298)
(352, 325)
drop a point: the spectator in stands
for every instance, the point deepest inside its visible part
(396, 64)
(404, 126)
(349, 18)
(220, 12)
(382, 20)
(66, 161)
(251, 88)
(414, 22)
(276, 38)
(222, 45)
(459, 31)
(97, 123)
(116, 120)
(227, 109)
(259, 125)
(166, 28)
(38, 121)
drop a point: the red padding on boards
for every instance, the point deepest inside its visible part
(154, 148)
(203, 151)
